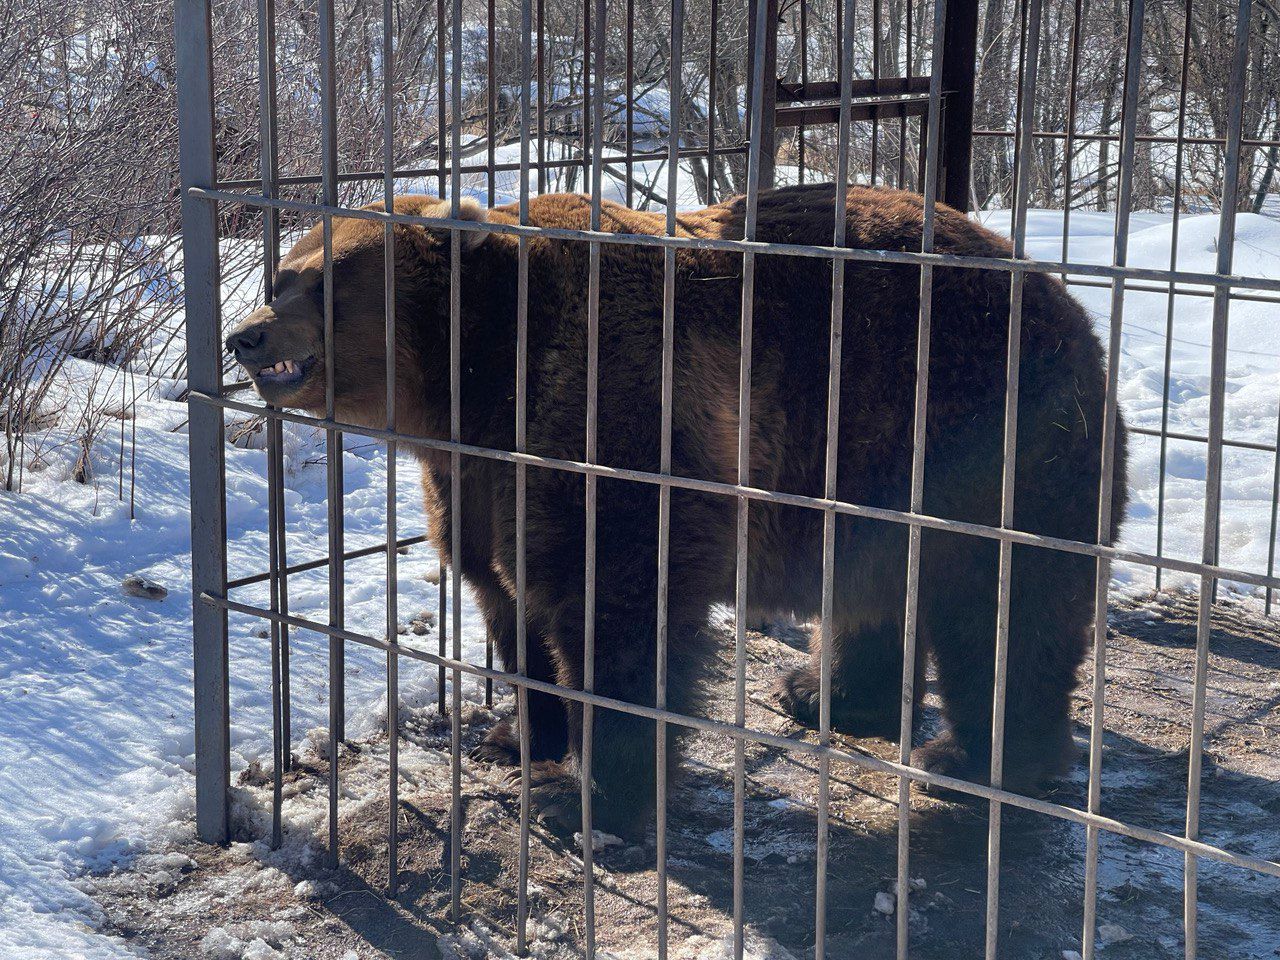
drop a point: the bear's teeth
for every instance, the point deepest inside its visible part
(288, 366)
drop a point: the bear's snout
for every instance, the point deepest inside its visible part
(245, 340)
(250, 342)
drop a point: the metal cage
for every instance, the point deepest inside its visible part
(939, 106)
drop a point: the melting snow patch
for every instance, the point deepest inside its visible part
(1110, 933)
(255, 940)
(754, 947)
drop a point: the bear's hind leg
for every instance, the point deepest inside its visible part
(1049, 615)
(866, 646)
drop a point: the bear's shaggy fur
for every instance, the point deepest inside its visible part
(1060, 407)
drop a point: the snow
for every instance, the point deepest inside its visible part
(755, 946)
(96, 761)
(1252, 385)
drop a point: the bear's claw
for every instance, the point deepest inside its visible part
(947, 757)
(555, 792)
(799, 695)
(501, 746)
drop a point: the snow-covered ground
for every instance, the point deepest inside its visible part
(96, 754)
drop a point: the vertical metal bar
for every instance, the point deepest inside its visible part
(1120, 257)
(1275, 515)
(279, 747)
(875, 78)
(674, 85)
(1213, 472)
(910, 619)
(542, 98)
(804, 81)
(455, 458)
(754, 164)
(589, 573)
(839, 40)
(631, 100)
(1068, 166)
(275, 483)
(272, 239)
(764, 27)
(959, 63)
(193, 37)
(586, 89)
(1173, 265)
(268, 161)
(522, 404)
(389, 348)
(282, 556)
(1021, 9)
(441, 120)
(834, 353)
(753, 22)
(1026, 116)
(491, 108)
(491, 181)
(442, 641)
(902, 120)
(712, 66)
(333, 438)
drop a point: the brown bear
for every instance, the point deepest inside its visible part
(1057, 466)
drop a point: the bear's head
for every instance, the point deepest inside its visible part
(281, 345)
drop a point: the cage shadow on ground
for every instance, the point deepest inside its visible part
(1042, 864)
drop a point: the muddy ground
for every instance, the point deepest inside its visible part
(248, 902)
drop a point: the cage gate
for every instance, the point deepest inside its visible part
(870, 108)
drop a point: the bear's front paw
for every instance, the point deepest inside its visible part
(947, 757)
(798, 695)
(501, 745)
(555, 793)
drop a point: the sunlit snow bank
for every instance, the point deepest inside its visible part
(1252, 388)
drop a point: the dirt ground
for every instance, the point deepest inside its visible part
(249, 902)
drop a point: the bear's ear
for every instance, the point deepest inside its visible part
(470, 209)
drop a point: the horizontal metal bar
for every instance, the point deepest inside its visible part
(1004, 264)
(789, 93)
(1141, 138)
(861, 760)
(1194, 438)
(1141, 287)
(509, 167)
(380, 548)
(880, 108)
(767, 496)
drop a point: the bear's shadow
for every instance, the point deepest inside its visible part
(1041, 875)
